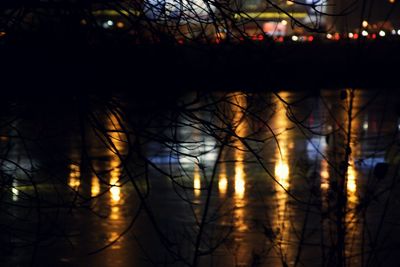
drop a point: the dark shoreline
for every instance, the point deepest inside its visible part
(37, 69)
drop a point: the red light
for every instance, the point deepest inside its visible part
(337, 36)
(355, 36)
(373, 36)
(254, 38)
(280, 39)
(260, 37)
(310, 38)
(180, 41)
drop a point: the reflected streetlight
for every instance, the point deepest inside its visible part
(74, 180)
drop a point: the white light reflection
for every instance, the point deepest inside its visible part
(14, 190)
(282, 173)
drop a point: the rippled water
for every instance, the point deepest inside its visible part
(222, 179)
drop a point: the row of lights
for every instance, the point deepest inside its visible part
(110, 24)
(364, 33)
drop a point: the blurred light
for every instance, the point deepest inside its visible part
(374, 36)
(329, 36)
(284, 22)
(364, 33)
(393, 32)
(95, 188)
(223, 184)
(398, 32)
(14, 190)
(392, 1)
(295, 38)
(337, 36)
(351, 180)
(310, 38)
(365, 24)
(351, 35)
(282, 172)
(74, 177)
(260, 37)
(240, 187)
(110, 23)
(196, 183)
(115, 213)
(324, 175)
(115, 191)
(365, 125)
(240, 184)
(356, 36)
(382, 33)
(289, 3)
(120, 24)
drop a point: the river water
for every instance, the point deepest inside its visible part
(206, 179)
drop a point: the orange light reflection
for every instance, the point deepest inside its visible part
(74, 180)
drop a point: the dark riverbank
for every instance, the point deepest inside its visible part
(42, 68)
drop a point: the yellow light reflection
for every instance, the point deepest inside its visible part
(95, 188)
(112, 237)
(118, 139)
(240, 184)
(115, 189)
(117, 136)
(352, 219)
(196, 181)
(223, 184)
(223, 180)
(241, 129)
(282, 173)
(285, 141)
(324, 175)
(74, 180)
(115, 213)
(351, 183)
